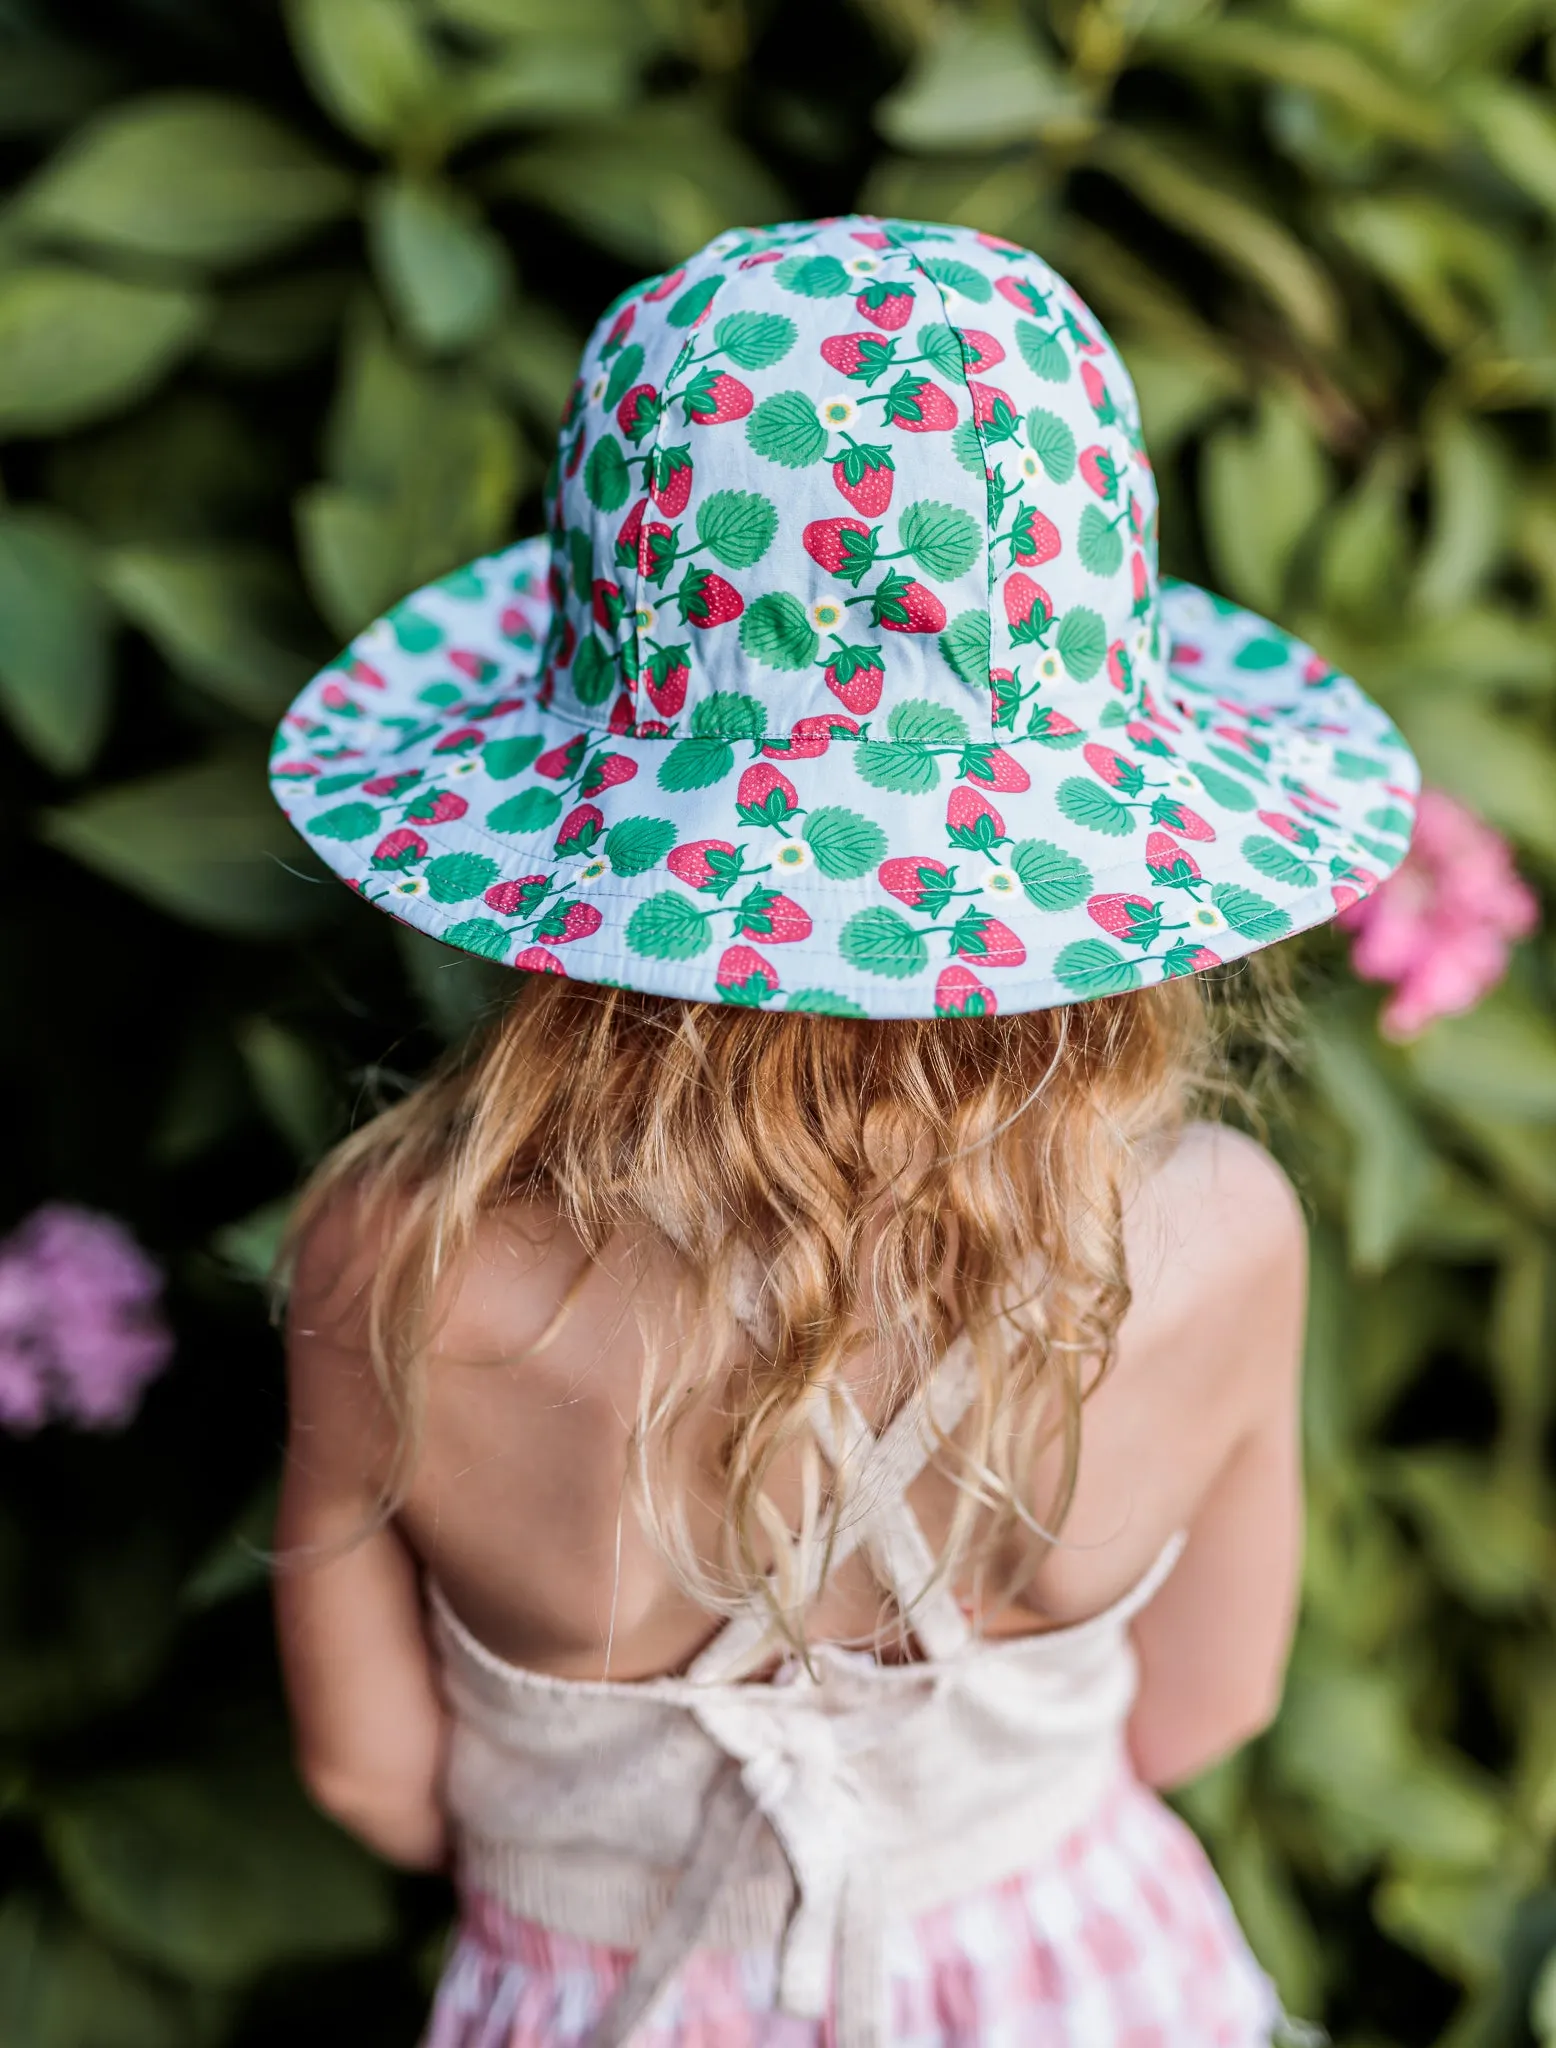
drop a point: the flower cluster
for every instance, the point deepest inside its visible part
(81, 1330)
(1441, 927)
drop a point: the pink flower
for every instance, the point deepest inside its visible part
(81, 1330)
(1441, 927)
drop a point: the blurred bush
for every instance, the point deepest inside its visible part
(289, 299)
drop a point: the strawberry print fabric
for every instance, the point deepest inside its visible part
(843, 678)
(1123, 1939)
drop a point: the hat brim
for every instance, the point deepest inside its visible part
(1282, 788)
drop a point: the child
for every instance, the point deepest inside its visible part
(794, 1432)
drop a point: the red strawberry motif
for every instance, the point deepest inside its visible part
(706, 600)
(871, 238)
(903, 605)
(1034, 538)
(977, 936)
(1135, 919)
(1289, 829)
(864, 475)
(360, 672)
(638, 413)
(708, 864)
(391, 785)
(518, 897)
(1085, 342)
(1026, 298)
(855, 676)
(917, 880)
(538, 961)
(1052, 728)
(475, 666)
(861, 357)
(919, 406)
(1097, 466)
(666, 284)
(579, 829)
(1178, 818)
(995, 769)
(810, 737)
(972, 821)
(670, 479)
(605, 771)
(460, 742)
(572, 920)
(627, 540)
(714, 397)
(656, 550)
(1116, 771)
(667, 674)
(743, 976)
(621, 327)
(764, 797)
(1120, 667)
(606, 603)
(334, 698)
(622, 718)
(401, 849)
(764, 256)
(560, 763)
(1028, 608)
(844, 547)
(1097, 393)
(887, 306)
(1006, 694)
(959, 993)
(767, 914)
(436, 807)
(1182, 654)
(1149, 740)
(992, 407)
(980, 351)
(1168, 865)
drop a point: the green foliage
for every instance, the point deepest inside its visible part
(289, 304)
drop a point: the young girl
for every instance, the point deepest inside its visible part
(794, 1431)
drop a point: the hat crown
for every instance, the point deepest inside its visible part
(875, 472)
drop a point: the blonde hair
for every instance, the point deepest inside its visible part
(984, 1161)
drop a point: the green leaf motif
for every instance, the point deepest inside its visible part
(1052, 878)
(1391, 819)
(939, 346)
(943, 540)
(625, 372)
(1251, 915)
(822, 1002)
(777, 632)
(691, 305)
(814, 277)
(1091, 967)
(1042, 354)
(346, 821)
(632, 845)
(607, 480)
(503, 759)
(695, 764)
(1276, 862)
(478, 935)
(1352, 767)
(1265, 652)
(965, 645)
(1083, 641)
(594, 673)
(737, 527)
(1225, 790)
(845, 844)
(786, 429)
(532, 810)
(668, 927)
(1052, 443)
(755, 341)
(881, 941)
(456, 877)
(905, 768)
(955, 276)
(931, 724)
(1241, 762)
(1085, 803)
(729, 715)
(967, 447)
(1098, 543)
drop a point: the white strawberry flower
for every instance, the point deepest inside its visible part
(1049, 668)
(597, 390)
(836, 412)
(1029, 466)
(590, 872)
(1308, 756)
(408, 885)
(646, 617)
(469, 764)
(828, 614)
(1204, 918)
(1001, 881)
(861, 266)
(1180, 778)
(1142, 644)
(1353, 854)
(791, 856)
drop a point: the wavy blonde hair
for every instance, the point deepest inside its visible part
(815, 1178)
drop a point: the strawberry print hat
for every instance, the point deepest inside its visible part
(842, 679)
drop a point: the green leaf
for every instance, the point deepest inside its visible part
(456, 877)
(787, 429)
(1086, 803)
(75, 346)
(370, 64)
(931, 724)
(229, 619)
(1252, 915)
(54, 671)
(632, 845)
(444, 271)
(755, 341)
(1043, 355)
(943, 540)
(689, 306)
(776, 631)
(814, 277)
(695, 764)
(1052, 443)
(624, 373)
(479, 935)
(594, 670)
(845, 844)
(955, 276)
(989, 85)
(1091, 967)
(1276, 862)
(941, 348)
(1083, 641)
(1052, 878)
(821, 1002)
(1098, 543)
(668, 927)
(737, 526)
(1264, 486)
(729, 715)
(61, 1987)
(532, 810)
(185, 178)
(607, 479)
(346, 822)
(1225, 790)
(503, 759)
(967, 447)
(881, 941)
(206, 844)
(886, 764)
(965, 645)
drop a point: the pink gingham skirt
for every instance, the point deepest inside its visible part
(1121, 1939)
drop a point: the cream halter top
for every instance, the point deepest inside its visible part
(806, 1811)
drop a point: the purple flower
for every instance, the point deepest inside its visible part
(81, 1328)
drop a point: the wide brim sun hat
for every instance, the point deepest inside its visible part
(843, 679)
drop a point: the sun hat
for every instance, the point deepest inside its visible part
(843, 679)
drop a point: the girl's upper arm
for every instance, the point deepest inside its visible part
(1213, 1643)
(367, 1719)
